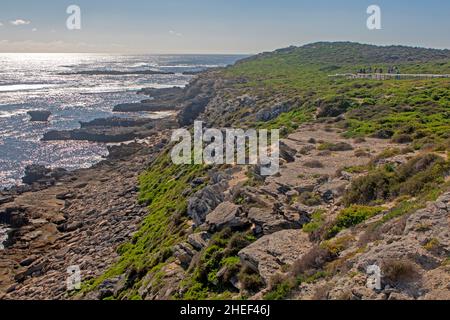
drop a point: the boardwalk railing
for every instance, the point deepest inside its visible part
(389, 76)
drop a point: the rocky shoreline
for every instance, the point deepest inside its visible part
(60, 219)
(78, 220)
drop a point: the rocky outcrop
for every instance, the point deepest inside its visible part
(81, 220)
(207, 199)
(184, 253)
(5, 199)
(118, 122)
(287, 153)
(226, 215)
(97, 134)
(117, 73)
(41, 174)
(166, 99)
(410, 251)
(196, 97)
(150, 106)
(192, 109)
(39, 115)
(199, 240)
(112, 130)
(269, 254)
(162, 93)
(425, 239)
(272, 112)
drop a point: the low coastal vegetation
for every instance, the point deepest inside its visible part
(415, 113)
(213, 272)
(162, 188)
(419, 175)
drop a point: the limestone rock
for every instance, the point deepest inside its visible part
(199, 240)
(227, 214)
(184, 253)
(207, 199)
(270, 253)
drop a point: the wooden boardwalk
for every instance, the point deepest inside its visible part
(389, 76)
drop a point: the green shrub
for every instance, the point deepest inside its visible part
(232, 267)
(310, 199)
(418, 175)
(250, 280)
(317, 220)
(402, 138)
(340, 146)
(280, 291)
(353, 216)
(333, 107)
(365, 190)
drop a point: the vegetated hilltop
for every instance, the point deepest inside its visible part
(364, 181)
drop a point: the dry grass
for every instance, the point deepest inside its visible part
(399, 271)
(313, 164)
(312, 261)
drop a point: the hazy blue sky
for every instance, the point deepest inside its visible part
(215, 26)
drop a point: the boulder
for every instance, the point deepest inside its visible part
(267, 221)
(227, 214)
(39, 173)
(332, 190)
(34, 173)
(207, 199)
(199, 240)
(39, 115)
(287, 153)
(192, 109)
(184, 253)
(271, 253)
(111, 287)
(14, 217)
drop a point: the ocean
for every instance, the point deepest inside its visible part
(47, 82)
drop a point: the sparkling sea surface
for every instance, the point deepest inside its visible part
(34, 82)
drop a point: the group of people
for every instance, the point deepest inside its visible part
(369, 70)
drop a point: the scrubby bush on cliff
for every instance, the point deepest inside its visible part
(352, 216)
(333, 107)
(250, 280)
(418, 175)
(217, 265)
(340, 146)
(397, 272)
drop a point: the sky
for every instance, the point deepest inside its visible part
(216, 26)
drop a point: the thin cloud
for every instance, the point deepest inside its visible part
(174, 33)
(34, 30)
(20, 22)
(1, 24)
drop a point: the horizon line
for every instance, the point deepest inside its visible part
(298, 45)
